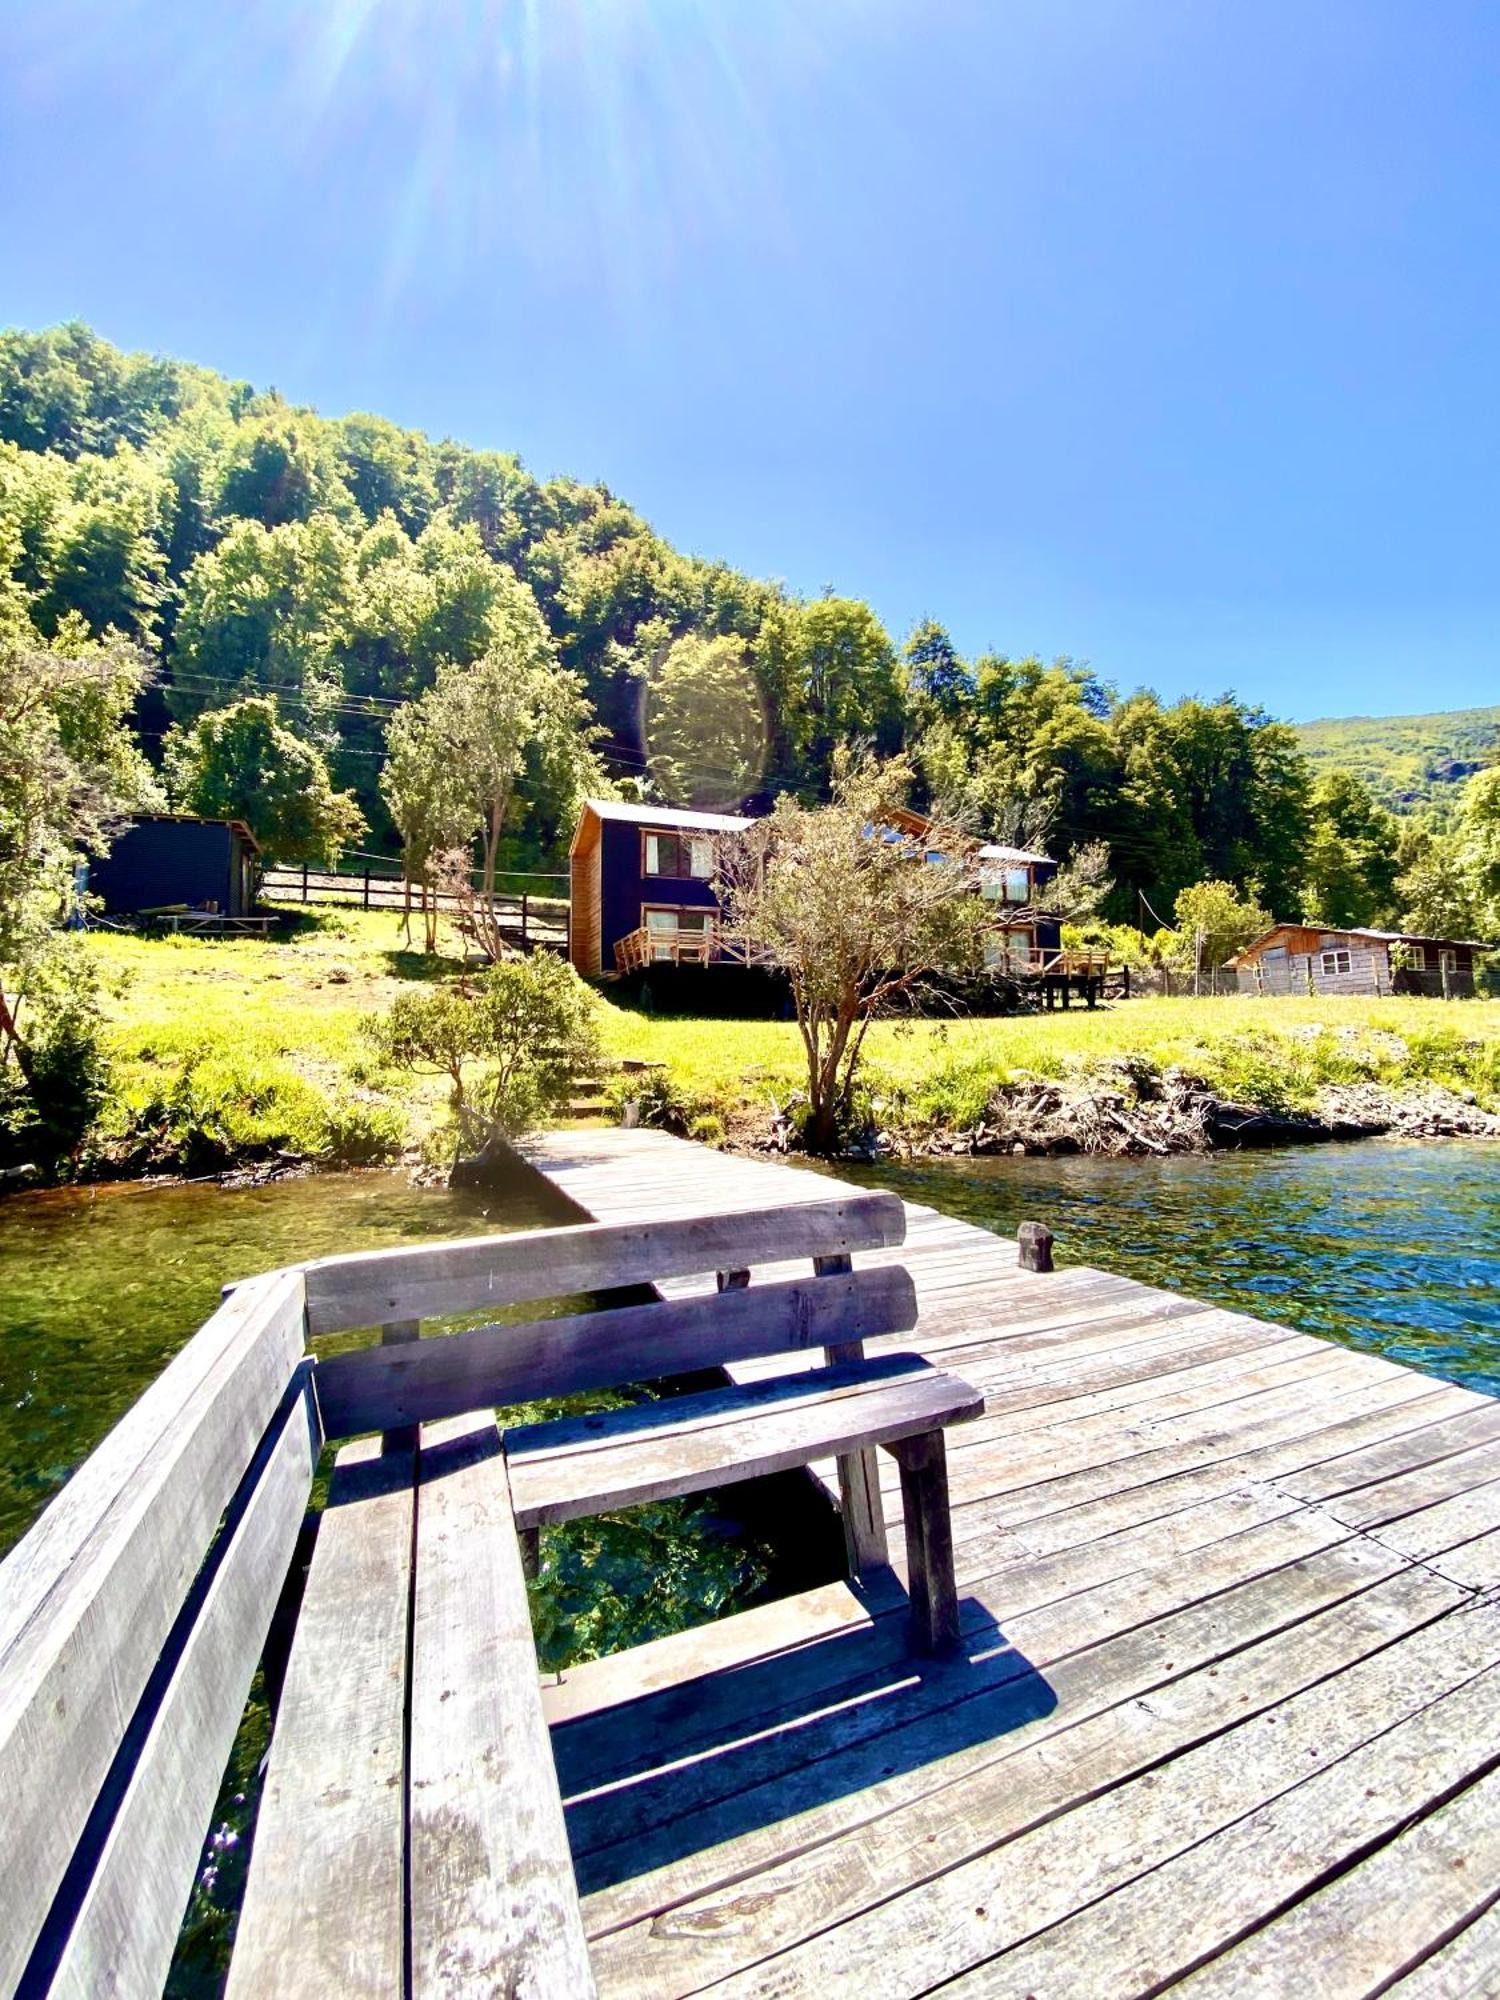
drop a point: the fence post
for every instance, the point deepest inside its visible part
(367, 888)
(304, 881)
(525, 899)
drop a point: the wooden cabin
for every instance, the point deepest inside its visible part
(642, 890)
(1026, 935)
(175, 860)
(641, 886)
(1311, 958)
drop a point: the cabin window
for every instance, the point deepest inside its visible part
(1415, 956)
(1335, 962)
(1008, 885)
(685, 856)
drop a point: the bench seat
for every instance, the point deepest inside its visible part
(686, 1444)
(411, 1769)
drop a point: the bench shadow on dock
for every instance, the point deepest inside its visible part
(729, 1751)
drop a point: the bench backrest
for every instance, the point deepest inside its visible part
(393, 1385)
(126, 1657)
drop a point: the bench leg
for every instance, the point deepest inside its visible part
(929, 1543)
(864, 1516)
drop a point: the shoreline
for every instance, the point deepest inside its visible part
(1136, 1115)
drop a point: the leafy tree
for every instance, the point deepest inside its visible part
(282, 467)
(241, 762)
(1214, 921)
(941, 685)
(68, 775)
(432, 811)
(513, 1043)
(704, 725)
(856, 921)
(1352, 860)
(387, 470)
(267, 611)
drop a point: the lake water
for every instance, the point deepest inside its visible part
(1391, 1246)
(99, 1287)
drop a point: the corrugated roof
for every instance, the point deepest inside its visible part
(1358, 931)
(672, 816)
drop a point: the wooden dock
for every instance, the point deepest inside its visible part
(1225, 1715)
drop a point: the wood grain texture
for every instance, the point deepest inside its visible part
(371, 1288)
(622, 1458)
(324, 1897)
(125, 1927)
(494, 1906)
(88, 1597)
(384, 1387)
(1241, 1561)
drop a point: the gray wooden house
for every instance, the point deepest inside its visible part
(1309, 958)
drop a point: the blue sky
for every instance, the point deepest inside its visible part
(1159, 332)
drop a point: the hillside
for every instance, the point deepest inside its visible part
(1407, 760)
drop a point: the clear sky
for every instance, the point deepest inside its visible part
(1158, 332)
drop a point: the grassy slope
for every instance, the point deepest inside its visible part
(1397, 755)
(292, 1010)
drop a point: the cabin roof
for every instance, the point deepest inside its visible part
(1014, 854)
(197, 819)
(670, 816)
(1356, 931)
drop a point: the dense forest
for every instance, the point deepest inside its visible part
(302, 586)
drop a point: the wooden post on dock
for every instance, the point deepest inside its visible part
(1034, 1247)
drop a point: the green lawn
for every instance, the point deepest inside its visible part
(276, 1025)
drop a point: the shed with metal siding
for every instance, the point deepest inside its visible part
(161, 859)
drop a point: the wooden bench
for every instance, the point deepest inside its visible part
(410, 1837)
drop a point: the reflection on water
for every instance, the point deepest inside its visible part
(1392, 1246)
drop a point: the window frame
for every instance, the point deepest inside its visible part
(1335, 952)
(684, 842)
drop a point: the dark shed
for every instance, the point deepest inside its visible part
(164, 859)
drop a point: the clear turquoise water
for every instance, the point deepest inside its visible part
(1389, 1246)
(99, 1287)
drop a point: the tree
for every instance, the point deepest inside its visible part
(1214, 921)
(703, 724)
(513, 1043)
(856, 920)
(467, 741)
(241, 762)
(1352, 860)
(68, 776)
(423, 789)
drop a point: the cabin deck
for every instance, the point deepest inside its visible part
(1224, 1718)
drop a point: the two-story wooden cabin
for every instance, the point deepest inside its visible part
(641, 886)
(1026, 935)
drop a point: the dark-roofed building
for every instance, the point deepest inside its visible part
(1311, 958)
(173, 860)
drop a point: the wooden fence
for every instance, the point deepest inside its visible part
(531, 917)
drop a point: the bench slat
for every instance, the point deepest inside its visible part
(494, 1907)
(323, 1904)
(125, 1929)
(686, 1444)
(371, 1288)
(88, 1597)
(378, 1388)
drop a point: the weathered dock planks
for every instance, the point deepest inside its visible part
(1225, 1710)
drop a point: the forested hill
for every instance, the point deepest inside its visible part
(1407, 761)
(343, 565)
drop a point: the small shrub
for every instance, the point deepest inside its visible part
(707, 1129)
(361, 1132)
